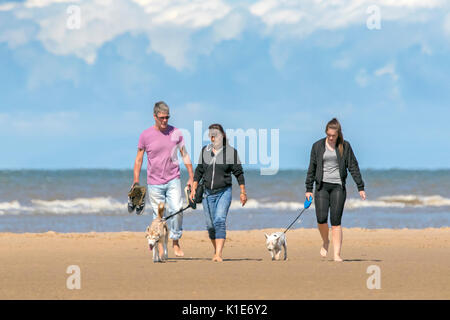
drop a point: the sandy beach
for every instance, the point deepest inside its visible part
(413, 264)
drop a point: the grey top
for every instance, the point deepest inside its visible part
(346, 162)
(331, 167)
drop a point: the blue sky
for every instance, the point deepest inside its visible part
(79, 98)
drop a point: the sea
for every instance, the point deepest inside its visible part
(93, 200)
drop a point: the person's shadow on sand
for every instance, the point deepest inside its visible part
(208, 259)
(357, 260)
(250, 259)
(362, 260)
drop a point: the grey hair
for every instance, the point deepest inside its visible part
(160, 107)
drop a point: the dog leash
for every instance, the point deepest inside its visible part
(178, 212)
(307, 204)
(190, 205)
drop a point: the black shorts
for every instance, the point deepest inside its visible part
(331, 197)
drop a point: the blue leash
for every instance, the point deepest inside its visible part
(307, 204)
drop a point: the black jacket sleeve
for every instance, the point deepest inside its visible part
(200, 170)
(310, 176)
(237, 170)
(353, 167)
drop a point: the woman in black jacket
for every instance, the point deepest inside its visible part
(330, 159)
(217, 162)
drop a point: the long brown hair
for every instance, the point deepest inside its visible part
(335, 125)
(220, 128)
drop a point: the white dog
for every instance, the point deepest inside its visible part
(157, 236)
(275, 242)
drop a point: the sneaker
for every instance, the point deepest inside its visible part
(136, 199)
(131, 206)
(140, 209)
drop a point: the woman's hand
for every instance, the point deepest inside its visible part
(190, 182)
(243, 199)
(193, 189)
(243, 195)
(309, 195)
(362, 194)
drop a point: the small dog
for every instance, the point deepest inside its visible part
(157, 235)
(275, 242)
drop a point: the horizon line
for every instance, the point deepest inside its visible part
(247, 169)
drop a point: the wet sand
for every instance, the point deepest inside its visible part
(413, 264)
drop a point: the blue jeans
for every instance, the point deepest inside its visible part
(170, 193)
(215, 208)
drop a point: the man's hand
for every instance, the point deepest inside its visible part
(137, 166)
(134, 183)
(188, 165)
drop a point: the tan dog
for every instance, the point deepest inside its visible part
(157, 235)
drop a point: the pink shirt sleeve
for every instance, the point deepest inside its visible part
(178, 136)
(141, 143)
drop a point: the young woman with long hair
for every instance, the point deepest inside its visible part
(330, 159)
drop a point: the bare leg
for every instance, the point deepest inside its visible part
(176, 248)
(337, 242)
(219, 247)
(324, 230)
(213, 241)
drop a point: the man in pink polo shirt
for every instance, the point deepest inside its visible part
(161, 143)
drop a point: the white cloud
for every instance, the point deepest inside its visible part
(411, 3)
(272, 13)
(362, 78)
(70, 123)
(171, 24)
(425, 49)
(388, 69)
(16, 37)
(394, 89)
(28, 124)
(305, 17)
(342, 63)
(45, 3)
(446, 24)
(375, 78)
(229, 27)
(287, 21)
(187, 13)
(263, 7)
(7, 6)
